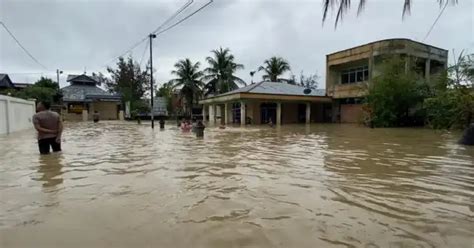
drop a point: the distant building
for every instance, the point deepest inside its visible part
(5, 81)
(259, 103)
(20, 86)
(83, 96)
(349, 70)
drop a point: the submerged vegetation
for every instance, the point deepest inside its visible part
(399, 96)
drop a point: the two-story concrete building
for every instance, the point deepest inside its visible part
(349, 71)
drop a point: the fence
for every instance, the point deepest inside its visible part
(15, 114)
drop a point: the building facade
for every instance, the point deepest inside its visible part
(83, 97)
(348, 72)
(264, 102)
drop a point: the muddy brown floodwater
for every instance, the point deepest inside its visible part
(122, 185)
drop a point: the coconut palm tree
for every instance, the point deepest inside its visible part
(273, 68)
(220, 73)
(343, 5)
(188, 77)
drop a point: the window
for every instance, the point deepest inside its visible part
(355, 75)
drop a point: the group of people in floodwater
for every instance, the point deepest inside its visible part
(186, 125)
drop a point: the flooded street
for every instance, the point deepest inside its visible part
(118, 184)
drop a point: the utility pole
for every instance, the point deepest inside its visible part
(57, 74)
(152, 36)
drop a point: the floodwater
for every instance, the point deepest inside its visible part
(119, 184)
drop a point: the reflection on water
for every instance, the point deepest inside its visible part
(120, 184)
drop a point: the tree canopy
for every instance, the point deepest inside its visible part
(273, 68)
(128, 80)
(219, 75)
(188, 79)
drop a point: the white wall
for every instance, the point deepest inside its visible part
(15, 114)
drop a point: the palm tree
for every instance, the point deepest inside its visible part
(273, 68)
(189, 79)
(343, 5)
(220, 73)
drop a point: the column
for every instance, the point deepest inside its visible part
(204, 113)
(85, 115)
(308, 113)
(121, 116)
(371, 66)
(226, 113)
(407, 64)
(278, 120)
(212, 119)
(242, 114)
(427, 70)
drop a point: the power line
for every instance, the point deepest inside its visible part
(186, 5)
(143, 55)
(22, 47)
(436, 21)
(185, 18)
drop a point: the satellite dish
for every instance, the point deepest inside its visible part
(307, 91)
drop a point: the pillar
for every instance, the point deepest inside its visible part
(427, 70)
(278, 120)
(212, 117)
(226, 113)
(85, 115)
(308, 113)
(371, 66)
(204, 113)
(121, 115)
(242, 114)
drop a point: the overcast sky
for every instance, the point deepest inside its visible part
(78, 35)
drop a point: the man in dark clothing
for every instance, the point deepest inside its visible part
(49, 127)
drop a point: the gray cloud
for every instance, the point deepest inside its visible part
(77, 34)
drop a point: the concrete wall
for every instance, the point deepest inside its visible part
(15, 114)
(107, 110)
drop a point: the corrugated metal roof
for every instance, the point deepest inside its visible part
(82, 78)
(276, 88)
(83, 92)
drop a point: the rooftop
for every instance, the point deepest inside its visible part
(80, 93)
(385, 40)
(275, 88)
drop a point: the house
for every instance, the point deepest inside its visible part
(5, 82)
(83, 96)
(259, 103)
(349, 70)
(20, 86)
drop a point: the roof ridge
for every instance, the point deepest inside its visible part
(255, 86)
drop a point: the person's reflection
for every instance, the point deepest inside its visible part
(50, 170)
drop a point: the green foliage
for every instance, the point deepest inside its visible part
(188, 77)
(452, 104)
(274, 68)
(39, 93)
(44, 89)
(47, 83)
(128, 80)
(220, 73)
(395, 97)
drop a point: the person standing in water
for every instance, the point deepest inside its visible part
(96, 116)
(49, 127)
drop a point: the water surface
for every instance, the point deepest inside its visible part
(119, 184)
